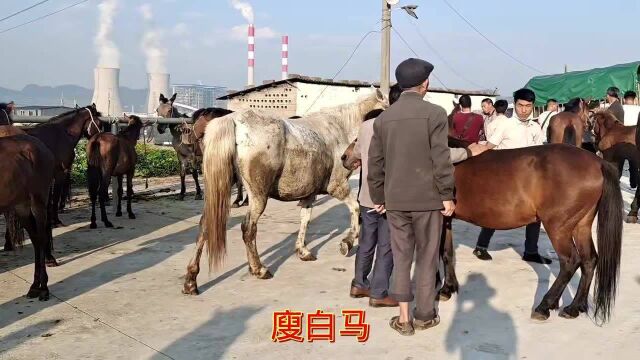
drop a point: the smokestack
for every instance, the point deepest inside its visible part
(106, 91)
(158, 84)
(285, 57)
(251, 55)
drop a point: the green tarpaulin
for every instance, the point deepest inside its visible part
(586, 84)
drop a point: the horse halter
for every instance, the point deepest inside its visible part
(93, 122)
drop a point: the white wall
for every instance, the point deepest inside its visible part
(332, 96)
(446, 100)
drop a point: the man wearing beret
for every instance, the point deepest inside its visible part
(411, 179)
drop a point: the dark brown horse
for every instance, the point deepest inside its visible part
(61, 135)
(183, 142)
(540, 183)
(27, 168)
(13, 234)
(112, 155)
(568, 126)
(201, 119)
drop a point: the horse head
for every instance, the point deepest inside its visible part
(603, 121)
(92, 123)
(166, 110)
(349, 161)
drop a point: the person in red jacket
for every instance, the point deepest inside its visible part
(467, 126)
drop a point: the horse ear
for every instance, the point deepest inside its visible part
(379, 95)
(162, 98)
(173, 98)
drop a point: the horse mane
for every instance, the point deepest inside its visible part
(212, 111)
(608, 118)
(62, 117)
(350, 115)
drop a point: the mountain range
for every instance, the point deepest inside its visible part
(52, 95)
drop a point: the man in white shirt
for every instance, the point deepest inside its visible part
(499, 116)
(516, 132)
(545, 118)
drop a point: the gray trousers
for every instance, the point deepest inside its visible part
(374, 239)
(415, 233)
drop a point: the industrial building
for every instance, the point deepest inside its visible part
(37, 110)
(299, 95)
(199, 96)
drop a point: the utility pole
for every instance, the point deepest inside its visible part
(385, 55)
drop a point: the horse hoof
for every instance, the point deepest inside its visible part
(118, 214)
(308, 257)
(198, 197)
(444, 295)
(51, 263)
(8, 247)
(345, 248)
(93, 226)
(264, 274)
(539, 315)
(569, 312)
(631, 219)
(33, 293)
(181, 197)
(108, 224)
(132, 216)
(44, 295)
(190, 288)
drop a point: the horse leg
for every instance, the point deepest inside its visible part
(194, 173)
(183, 174)
(569, 262)
(306, 206)
(249, 231)
(36, 223)
(93, 178)
(43, 236)
(343, 192)
(57, 191)
(632, 217)
(119, 200)
(588, 260)
(450, 285)
(13, 234)
(239, 197)
(193, 269)
(130, 194)
(103, 195)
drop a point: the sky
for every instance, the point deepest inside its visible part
(203, 41)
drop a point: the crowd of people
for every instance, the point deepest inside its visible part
(407, 186)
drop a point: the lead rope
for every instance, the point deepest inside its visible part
(8, 117)
(93, 122)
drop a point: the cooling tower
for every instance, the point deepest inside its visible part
(106, 92)
(158, 84)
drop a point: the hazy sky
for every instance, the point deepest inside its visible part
(202, 46)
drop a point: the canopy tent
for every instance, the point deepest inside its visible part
(586, 84)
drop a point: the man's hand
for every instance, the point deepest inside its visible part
(477, 149)
(449, 208)
(380, 209)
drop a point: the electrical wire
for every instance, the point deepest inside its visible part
(23, 10)
(489, 40)
(416, 54)
(44, 16)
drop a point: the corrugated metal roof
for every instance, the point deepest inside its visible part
(293, 78)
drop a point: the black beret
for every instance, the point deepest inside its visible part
(413, 72)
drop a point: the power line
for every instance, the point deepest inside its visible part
(442, 59)
(416, 54)
(343, 66)
(23, 10)
(489, 40)
(44, 16)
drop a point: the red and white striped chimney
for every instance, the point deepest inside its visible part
(285, 57)
(251, 55)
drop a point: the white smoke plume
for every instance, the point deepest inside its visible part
(108, 53)
(245, 8)
(152, 43)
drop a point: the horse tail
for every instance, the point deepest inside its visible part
(569, 136)
(93, 153)
(14, 236)
(609, 242)
(218, 159)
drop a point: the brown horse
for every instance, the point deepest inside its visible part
(201, 119)
(61, 135)
(540, 183)
(14, 233)
(112, 155)
(183, 142)
(568, 126)
(27, 168)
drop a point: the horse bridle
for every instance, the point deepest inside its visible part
(93, 122)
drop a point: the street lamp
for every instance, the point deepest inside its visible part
(385, 57)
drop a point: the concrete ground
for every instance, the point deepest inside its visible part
(117, 295)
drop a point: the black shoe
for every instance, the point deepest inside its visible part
(536, 258)
(482, 254)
